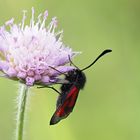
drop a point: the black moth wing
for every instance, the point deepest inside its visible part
(65, 108)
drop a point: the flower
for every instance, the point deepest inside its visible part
(35, 53)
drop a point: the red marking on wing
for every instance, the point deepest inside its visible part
(69, 103)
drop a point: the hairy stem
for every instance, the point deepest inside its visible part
(22, 100)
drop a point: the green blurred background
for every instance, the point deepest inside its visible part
(109, 106)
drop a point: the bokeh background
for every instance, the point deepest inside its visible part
(109, 106)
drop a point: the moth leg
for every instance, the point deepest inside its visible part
(55, 90)
(50, 88)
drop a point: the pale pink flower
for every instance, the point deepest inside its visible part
(28, 51)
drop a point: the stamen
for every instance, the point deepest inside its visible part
(44, 19)
(55, 22)
(32, 19)
(53, 25)
(23, 19)
(39, 20)
(2, 28)
(59, 35)
(9, 22)
(46, 14)
(2, 32)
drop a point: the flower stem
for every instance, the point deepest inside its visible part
(22, 101)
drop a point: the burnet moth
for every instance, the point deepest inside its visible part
(69, 91)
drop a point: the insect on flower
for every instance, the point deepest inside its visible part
(27, 51)
(69, 91)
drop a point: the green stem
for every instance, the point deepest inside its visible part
(22, 101)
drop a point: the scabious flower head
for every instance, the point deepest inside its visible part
(28, 52)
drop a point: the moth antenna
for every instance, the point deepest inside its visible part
(58, 70)
(72, 62)
(103, 53)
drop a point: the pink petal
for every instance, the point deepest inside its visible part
(11, 72)
(45, 79)
(21, 75)
(30, 81)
